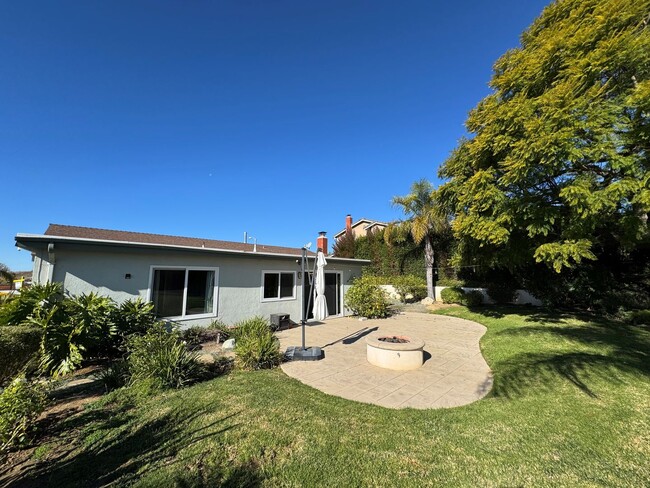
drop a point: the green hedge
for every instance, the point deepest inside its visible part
(410, 285)
(473, 298)
(19, 347)
(455, 294)
(502, 293)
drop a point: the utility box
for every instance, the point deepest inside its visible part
(279, 320)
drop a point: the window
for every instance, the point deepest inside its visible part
(182, 292)
(278, 285)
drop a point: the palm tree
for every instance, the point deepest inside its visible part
(425, 221)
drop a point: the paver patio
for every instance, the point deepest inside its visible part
(454, 372)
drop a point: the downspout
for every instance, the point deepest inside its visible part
(51, 259)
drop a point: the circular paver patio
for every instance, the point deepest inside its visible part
(454, 371)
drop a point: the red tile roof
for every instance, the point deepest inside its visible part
(140, 237)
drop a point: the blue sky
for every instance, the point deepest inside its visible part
(211, 118)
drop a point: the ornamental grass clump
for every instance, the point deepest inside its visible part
(367, 299)
(256, 347)
(162, 357)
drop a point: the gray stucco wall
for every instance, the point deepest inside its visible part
(83, 269)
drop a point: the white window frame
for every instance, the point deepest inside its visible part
(278, 272)
(215, 300)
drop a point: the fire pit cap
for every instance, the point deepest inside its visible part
(413, 343)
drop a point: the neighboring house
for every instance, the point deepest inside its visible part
(361, 227)
(20, 279)
(190, 280)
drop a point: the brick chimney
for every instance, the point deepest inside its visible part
(348, 223)
(321, 242)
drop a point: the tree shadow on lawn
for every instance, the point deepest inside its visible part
(139, 449)
(613, 350)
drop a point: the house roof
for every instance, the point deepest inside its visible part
(90, 235)
(369, 224)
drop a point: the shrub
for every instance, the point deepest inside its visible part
(91, 317)
(473, 298)
(30, 299)
(640, 317)
(161, 356)
(453, 295)
(193, 336)
(366, 299)
(133, 317)
(256, 347)
(502, 293)
(410, 285)
(221, 331)
(445, 281)
(115, 376)
(19, 348)
(61, 348)
(20, 404)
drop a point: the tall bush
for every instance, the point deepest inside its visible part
(92, 316)
(61, 345)
(367, 299)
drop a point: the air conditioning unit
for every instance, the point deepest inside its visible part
(279, 320)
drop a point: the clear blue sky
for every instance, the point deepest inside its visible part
(211, 118)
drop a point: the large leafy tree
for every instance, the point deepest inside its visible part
(556, 169)
(426, 223)
(5, 274)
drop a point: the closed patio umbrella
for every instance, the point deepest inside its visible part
(320, 304)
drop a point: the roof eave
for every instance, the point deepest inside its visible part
(21, 239)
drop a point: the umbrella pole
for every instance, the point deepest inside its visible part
(311, 293)
(304, 313)
(302, 353)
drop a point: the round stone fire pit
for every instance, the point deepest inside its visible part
(396, 352)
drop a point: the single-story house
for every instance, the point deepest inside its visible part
(361, 227)
(190, 280)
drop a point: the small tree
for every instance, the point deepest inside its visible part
(344, 245)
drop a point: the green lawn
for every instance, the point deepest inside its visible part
(570, 407)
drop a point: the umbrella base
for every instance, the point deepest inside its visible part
(297, 353)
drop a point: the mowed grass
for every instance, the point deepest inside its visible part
(570, 407)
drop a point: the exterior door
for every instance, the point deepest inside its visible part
(333, 293)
